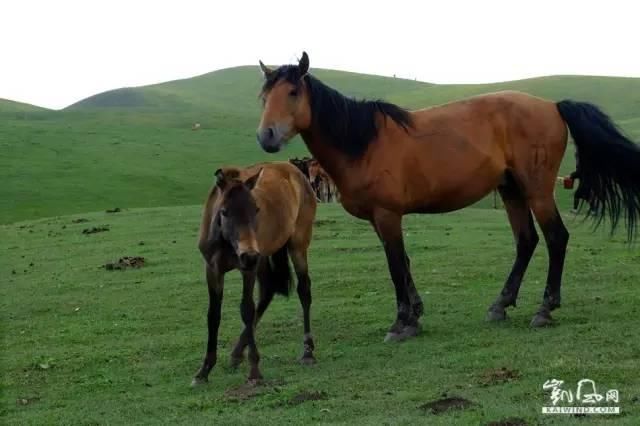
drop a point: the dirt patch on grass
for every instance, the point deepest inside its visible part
(95, 230)
(114, 210)
(357, 249)
(324, 222)
(250, 390)
(497, 376)
(305, 396)
(243, 392)
(446, 404)
(511, 421)
(27, 401)
(80, 220)
(125, 263)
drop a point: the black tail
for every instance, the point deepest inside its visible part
(608, 163)
(274, 273)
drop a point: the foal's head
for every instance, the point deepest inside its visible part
(237, 219)
(287, 109)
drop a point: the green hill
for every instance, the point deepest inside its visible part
(234, 91)
(8, 106)
(133, 147)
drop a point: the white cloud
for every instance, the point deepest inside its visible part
(57, 52)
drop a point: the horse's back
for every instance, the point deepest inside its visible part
(481, 137)
(287, 204)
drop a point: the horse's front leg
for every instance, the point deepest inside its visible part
(215, 284)
(388, 226)
(248, 313)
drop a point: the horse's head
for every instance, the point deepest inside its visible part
(236, 220)
(286, 100)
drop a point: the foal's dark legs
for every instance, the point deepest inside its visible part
(266, 296)
(215, 284)
(299, 260)
(389, 228)
(248, 313)
(526, 238)
(557, 238)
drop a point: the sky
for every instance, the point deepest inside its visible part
(56, 52)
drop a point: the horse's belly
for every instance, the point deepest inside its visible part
(456, 195)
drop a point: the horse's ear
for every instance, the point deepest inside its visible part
(266, 71)
(303, 64)
(221, 179)
(251, 182)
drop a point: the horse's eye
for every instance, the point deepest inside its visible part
(293, 93)
(223, 212)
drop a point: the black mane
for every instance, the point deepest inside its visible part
(348, 124)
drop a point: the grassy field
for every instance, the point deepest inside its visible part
(83, 345)
(135, 148)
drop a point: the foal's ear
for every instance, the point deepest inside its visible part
(221, 179)
(303, 64)
(266, 71)
(251, 182)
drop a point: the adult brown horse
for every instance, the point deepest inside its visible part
(388, 162)
(254, 219)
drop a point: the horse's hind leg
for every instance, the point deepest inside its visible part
(556, 237)
(299, 260)
(526, 239)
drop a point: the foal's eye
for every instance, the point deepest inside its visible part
(223, 212)
(293, 93)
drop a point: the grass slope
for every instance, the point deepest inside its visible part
(82, 344)
(134, 147)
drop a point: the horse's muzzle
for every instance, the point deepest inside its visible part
(248, 259)
(269, 139)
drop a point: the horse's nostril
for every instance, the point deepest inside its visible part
(270, 132)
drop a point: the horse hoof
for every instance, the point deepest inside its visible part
(392, 337)
(255, 381)
(495, 315)
(541, 319)
(411, 331)
(198, 381)
(307, 360)
(407, 332)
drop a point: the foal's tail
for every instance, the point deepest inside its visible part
(274, 273)
(609, 165)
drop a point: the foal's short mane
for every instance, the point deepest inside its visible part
(348, 124)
